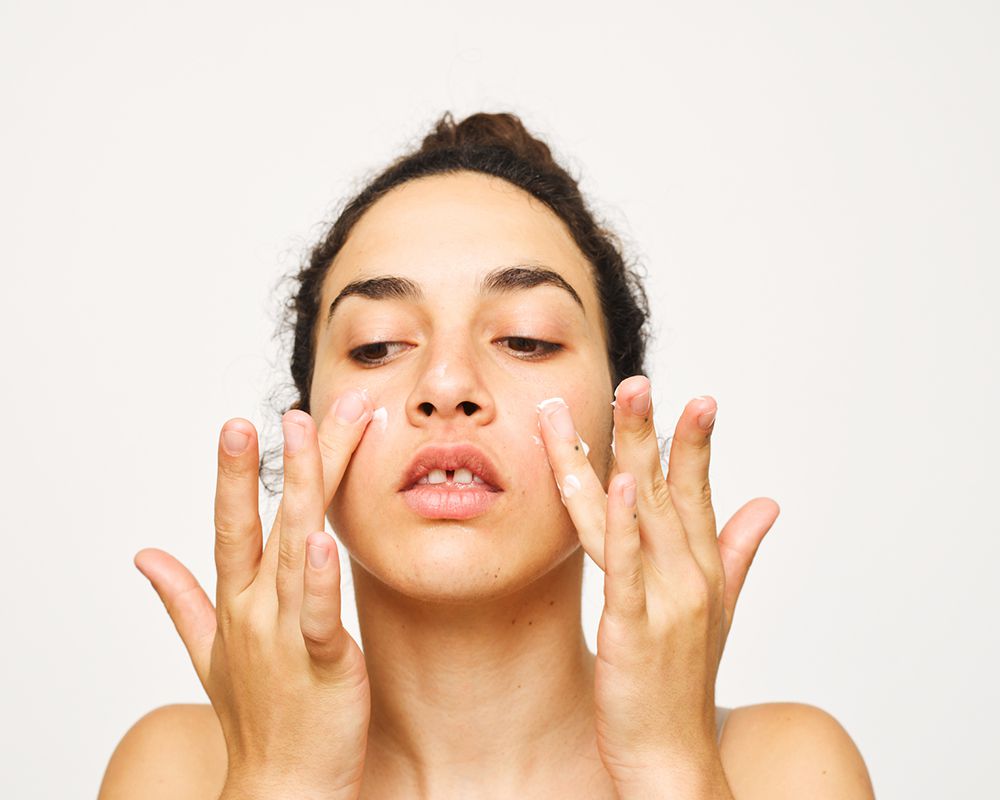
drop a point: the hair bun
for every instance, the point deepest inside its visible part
(487, 130)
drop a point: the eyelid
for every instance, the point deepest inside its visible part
(546, 349)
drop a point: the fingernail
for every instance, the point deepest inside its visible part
(563, 422)
(705, 420)
(350, 407)
(640, 403)
(318, 556)
(294, 435)
(234, 442)
(628, 493)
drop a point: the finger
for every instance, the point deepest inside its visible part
(738, 543)
(186, 602)
(579, 487)
(302, 510)
(340, 431)
(624, 584)
(238, 531)
(637, 452)
(322, 627)
(688, 481)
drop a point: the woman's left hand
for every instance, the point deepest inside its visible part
(670, 589)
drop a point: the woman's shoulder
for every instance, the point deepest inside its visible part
(176, 750)
(798, 745)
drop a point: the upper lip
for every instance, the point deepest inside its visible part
(450, 457)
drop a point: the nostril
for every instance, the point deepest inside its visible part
(469, 408)
(427, 408)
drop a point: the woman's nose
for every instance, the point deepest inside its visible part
(450, 387)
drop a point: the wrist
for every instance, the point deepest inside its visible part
(683, 781)
(265, 788)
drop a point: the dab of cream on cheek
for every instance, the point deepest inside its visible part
(380, 416)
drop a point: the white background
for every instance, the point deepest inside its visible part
(811, 187)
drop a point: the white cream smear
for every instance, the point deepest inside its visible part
(571, 485)
(541, 406)
(381, 416)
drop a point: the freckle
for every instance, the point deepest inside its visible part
(576, 447)
(633, 516)
(529, 621)
(552, 602)
(645, 419)
(512, 622)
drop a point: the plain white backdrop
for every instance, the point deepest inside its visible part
(812, 188)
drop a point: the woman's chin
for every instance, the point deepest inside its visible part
(455, 562)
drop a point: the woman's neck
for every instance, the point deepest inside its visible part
(502, 689)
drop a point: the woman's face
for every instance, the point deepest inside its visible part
(457, 366)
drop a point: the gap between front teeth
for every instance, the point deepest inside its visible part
(461, 475)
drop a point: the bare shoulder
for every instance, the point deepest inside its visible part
(791, 750)
(173, 751)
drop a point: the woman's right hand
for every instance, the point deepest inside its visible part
(286, 680)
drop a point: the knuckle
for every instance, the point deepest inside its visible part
(229, 531)
(225, 616)
(256, 625)
(657, 494)
(233, 469)
(698, 595)
(288, 558)
(315, 633)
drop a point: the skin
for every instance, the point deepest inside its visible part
(471, 628)
(474, 661)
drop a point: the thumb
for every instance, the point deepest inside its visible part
(187, 604)
(738, 543)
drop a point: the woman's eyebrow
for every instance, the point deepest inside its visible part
(497, 281)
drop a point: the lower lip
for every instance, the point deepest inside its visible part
(440, 501)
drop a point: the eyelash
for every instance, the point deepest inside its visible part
(546, 349)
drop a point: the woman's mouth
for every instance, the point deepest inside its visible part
(450, 499)
(450, 481)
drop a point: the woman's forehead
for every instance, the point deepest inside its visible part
(446, 233)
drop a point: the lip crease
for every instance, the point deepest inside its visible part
(451, 457)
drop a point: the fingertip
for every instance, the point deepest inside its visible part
(321, 547)
(622, 484)
(296, 415)
(318, 539)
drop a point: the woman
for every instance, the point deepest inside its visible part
(472, 418)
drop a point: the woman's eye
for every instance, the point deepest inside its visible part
(374, 353)
(530, 348)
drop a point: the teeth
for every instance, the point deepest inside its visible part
(461, 475)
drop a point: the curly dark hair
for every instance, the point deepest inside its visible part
(495, 144)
